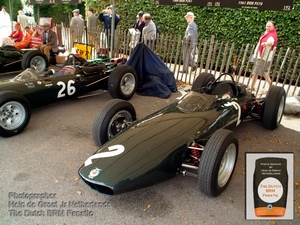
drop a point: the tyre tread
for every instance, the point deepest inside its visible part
(207, 167)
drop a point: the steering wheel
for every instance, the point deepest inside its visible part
(211, 84)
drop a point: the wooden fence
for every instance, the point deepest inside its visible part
(214, 57)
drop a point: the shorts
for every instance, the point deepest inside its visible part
(261, 67)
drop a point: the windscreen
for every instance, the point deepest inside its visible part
(27, 75)
(195, 101)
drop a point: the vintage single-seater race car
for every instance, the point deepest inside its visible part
(12, 59)
(31, 89)
(190, 136)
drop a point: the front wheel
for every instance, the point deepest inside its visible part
(112, 119)
(15, 113)
(217, 162)
(274, 107)
(122, 82)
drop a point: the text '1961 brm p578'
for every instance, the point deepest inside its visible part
(190, 136)
(31, 88)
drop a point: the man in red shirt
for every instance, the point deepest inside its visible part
(263, 54)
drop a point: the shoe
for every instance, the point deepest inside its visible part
(194, 68)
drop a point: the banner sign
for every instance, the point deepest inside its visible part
(54, 1)
(285, 5)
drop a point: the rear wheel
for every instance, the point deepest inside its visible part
(112, 119)
(35, 59)
(202, 81)
(15, 113)
(122, 82)
(217, 162)
(273, 107)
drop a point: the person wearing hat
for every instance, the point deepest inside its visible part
(91, 25)
(139, 24)
(22, 19)
(15, 36)
(106, 17)
(76, 27)
(190, 50)
(49, 39)
(136, 30)
(5, 23)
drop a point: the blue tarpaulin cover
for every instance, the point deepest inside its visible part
(154, 77)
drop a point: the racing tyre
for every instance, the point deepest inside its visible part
(122, 82)
(274, 107)
(112, 119)
(217, 162)
(35, 59)
(15, 113)
(202, 81)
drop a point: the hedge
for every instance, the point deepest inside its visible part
(229, 25)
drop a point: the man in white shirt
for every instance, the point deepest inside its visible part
(5, 23)
(149, 31)
(22, 19)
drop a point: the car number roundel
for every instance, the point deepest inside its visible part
(113, 151)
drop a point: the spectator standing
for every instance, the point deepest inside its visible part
(106, 16)
(22, 19)
(263, 54)
(76, 27)
(190, 50)
(49, 41)
(149, 31)
(139, 24)
(91, 25)
(30, 18)
(15, 36)
(5, 23)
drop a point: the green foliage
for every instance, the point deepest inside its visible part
(240, 26)
(61, 13)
